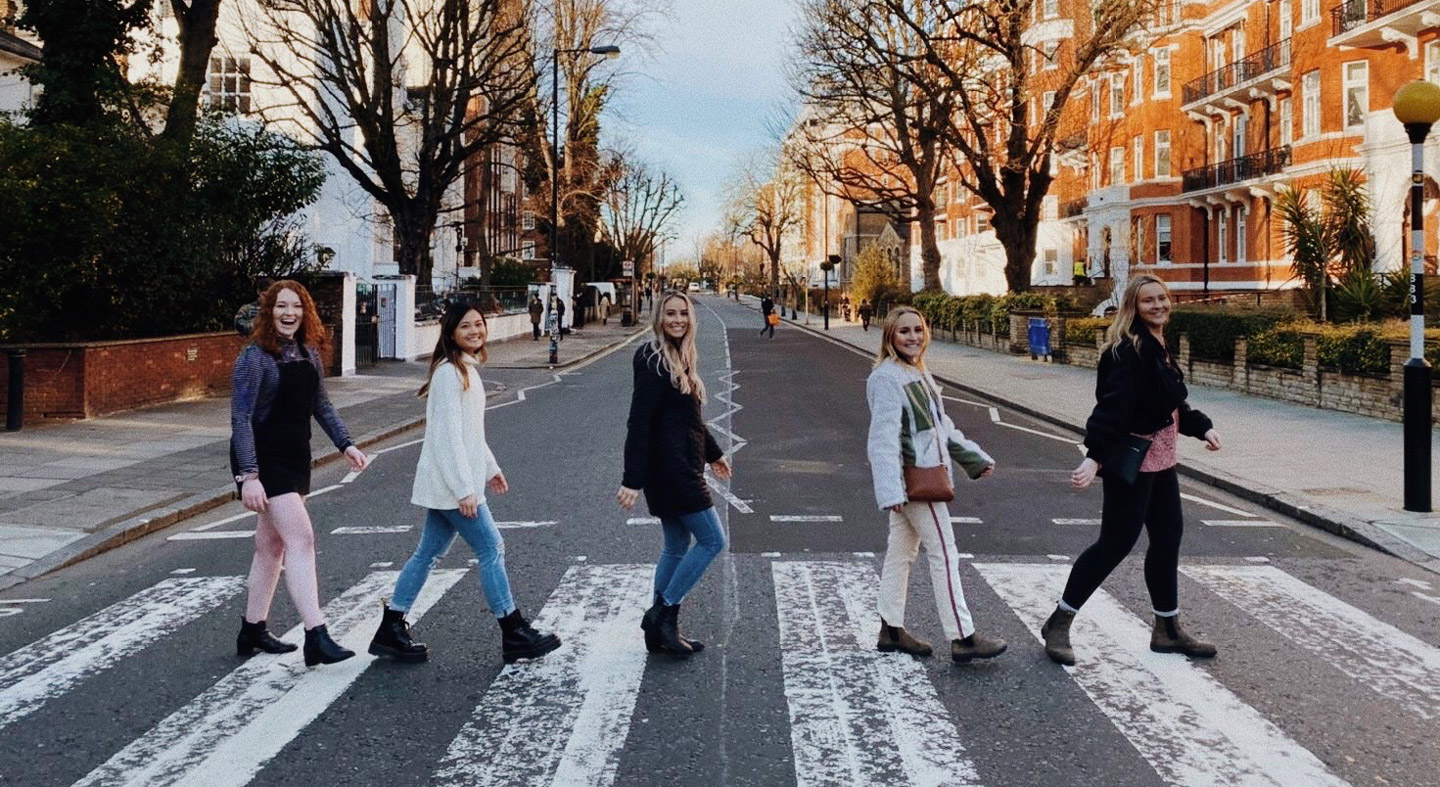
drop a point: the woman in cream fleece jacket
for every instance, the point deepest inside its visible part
(456, 465)
(908, 426)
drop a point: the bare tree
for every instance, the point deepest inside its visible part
(401, 93)
(978, 53)
(765, 205)
(869, 133)
(639, 210)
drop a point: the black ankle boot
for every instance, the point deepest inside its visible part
(650, 625)
(520, 640)
(255, 637)
(393, 639)
(667, 631)
(321, 649)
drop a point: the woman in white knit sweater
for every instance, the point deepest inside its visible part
(456, 465)
(909, 427)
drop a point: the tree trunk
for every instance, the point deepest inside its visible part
(1017, 235)
(197, 41)
(414, 233)
(929, 248)
(775, 271)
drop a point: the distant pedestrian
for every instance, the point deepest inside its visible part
(1130, 438)
(277, 389)
(910, 431)
(845, 307)
(767, 312)
(537, 310)
(558, 304)
(245, 317)
(667, 446)
(456, 465)
(866, 312)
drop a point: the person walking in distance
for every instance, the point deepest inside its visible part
(866, 312)
(277, 388)
(245, 316)
(537, 310)
(1140, 393)
(456, 465)
(767, 311)
(667, 446)
(909, 428)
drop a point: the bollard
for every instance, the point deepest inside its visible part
(15, 404)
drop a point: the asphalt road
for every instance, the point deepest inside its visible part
(1329, 670)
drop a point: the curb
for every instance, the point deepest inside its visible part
(1278, 501)
(581, 359)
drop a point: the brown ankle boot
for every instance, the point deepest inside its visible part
(1056, 633)
(1168, 637)
(976, 646)
(896, 638)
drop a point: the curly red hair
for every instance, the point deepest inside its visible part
(312, 332)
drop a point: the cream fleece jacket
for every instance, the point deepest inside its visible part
(455, 461)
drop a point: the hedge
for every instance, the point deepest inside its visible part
(1362, 348)
(991, 314)
(1213, 332)
(1081, 331)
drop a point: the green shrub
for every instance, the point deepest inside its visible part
(1213, 331)
(1081, 331)
(1282, 347)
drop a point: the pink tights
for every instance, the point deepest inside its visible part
(284, 536)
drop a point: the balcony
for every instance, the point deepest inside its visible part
(1242, 75)
(1379, 23)
(1069, 209)
(1236, 170)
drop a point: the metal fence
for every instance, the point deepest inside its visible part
(431, 303)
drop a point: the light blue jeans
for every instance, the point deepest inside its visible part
(440, 530)
(681, 564)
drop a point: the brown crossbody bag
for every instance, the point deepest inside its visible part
(930, 484)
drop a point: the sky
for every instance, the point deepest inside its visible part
(699, 106)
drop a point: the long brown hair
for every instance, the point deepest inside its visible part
(1124, 326)
(680, 358)
(447, 350)
(887, 337)
(312, 332)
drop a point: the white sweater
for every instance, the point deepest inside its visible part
(455, 461)
(909, 426)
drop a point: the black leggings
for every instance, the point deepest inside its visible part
(1153, 501)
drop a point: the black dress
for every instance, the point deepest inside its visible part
(282, 440)
(667, 444)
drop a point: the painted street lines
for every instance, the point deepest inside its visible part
(1378, 655)
(966, 520)
(227, 520)
(191, 535)
(643, 520)
(724, 491)
(1217, 506)
(805, 518)
(1240, 523)
(1191, 729)
(371, 530)
(857, 716)
(48, 667)
(563, 719)
(227, 734)
(995, 419)
(1076, 521)
(524, 525)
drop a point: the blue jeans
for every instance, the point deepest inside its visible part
(681, 565)
(483, 537)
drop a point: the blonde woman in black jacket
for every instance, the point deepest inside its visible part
(1141, 392)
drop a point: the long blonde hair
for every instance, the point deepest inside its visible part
(887, 338)
(1129, 314)
(679, 357)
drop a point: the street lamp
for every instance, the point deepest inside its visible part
(1417, 107)
(553, 323)
(825, 268)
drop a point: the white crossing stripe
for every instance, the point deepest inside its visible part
(226, 735)
(1240, 523)
(857, 716)
(643, 520)
(562, 719)
(1378, 655)
(48, 667)
(227, 520)
(1192, 730)
(966, 520)
(1076, 521)
(1218, 506)
(370, 530)
(805, 518)
(212, 535)
(522, 525)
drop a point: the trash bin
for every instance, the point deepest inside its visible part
(1039, 335)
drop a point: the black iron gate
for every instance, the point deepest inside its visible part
(367, 325)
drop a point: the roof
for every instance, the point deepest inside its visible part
(15, 45)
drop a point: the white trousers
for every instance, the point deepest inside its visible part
(928, 524)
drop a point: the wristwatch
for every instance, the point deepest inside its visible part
(243, 477)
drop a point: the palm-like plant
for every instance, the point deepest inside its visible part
(1308, 244)
(1347, 223)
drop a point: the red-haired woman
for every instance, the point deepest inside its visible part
(277, 389)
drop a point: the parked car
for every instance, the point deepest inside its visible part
(694, 286)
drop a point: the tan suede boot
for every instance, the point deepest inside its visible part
(1168, 637)
(895, 638)
(1056, 633)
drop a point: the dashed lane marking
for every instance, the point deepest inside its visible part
(643, 520)
(1076, 521)
(966, 520)
(523, 525)
(191, 535)
(370, 530)
(806, 518)
(1218, 506)
(1240, 523)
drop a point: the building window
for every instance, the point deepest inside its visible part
(527, 251)
(1237, 45)
(1310, 108)
(1162, 73)
(1162, 237)
(1117, 95)
(1287, 121)
(1137, 70)
(1357, 93)
(229, 84)
(982, 223)
(1052, 262)
(1052, 9)
(528, 222)
(1095, 101)
(1139, 145)
(1137, 239)
(1287, 19)
(1047, 101)
(1432, 61)
(1117, 166)
(1237, 146)
(1240, 235)
(1094, 171)
(1162, 154)
(1224, 235)
(1309, 12)
(1050, 49)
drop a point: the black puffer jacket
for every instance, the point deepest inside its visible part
(667, 444)
(1137, 391)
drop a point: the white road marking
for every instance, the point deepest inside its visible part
(643, 520)
(227, 520)
(1425, 597)
(769, 554)
(966, 520)
(324, 490)
(964, 556)
(964, 401)
(1076, 521)
(6, 612)
(1218, 506)
(864, 554)
(1257, 559)
(370, 530)
(1240, 523)
(225, 736)
(1038, 433)
(350, 476)
(724, 492)
(183, 571)
(51, 666)
(518, 525)
(563, 719)
(1376, 654)
(24, 600)
(1059, 558)
(857, 716)
(1192, 730)
(383, 564)
(1419, 583)
(398, 446)
(806, 518)
(191, 535)
(994, 415)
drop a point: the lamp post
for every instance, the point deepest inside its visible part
(1417, 107)
(825, 268)
(553, 323)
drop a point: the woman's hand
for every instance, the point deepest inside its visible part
(898, 507)
(1082, 476)
(357, 459)
(498, 484)
(627, 497)
(989, 471)
(1212, 440)
(469, 506)
(721, 468)
(252, 494)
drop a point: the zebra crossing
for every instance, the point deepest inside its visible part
(855, 716)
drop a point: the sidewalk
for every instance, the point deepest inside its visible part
(72, 490)
(1334, 470)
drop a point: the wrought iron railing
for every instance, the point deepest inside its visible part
(1235, 170)
(1353, 13)
(1271, 58)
